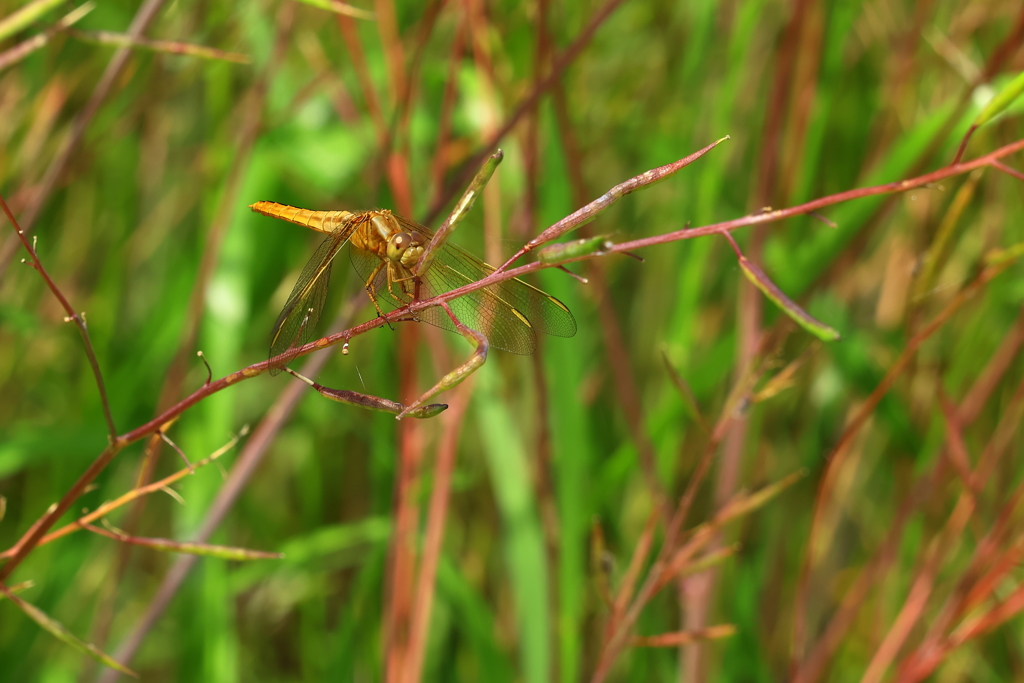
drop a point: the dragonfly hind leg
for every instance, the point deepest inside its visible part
(460, 373)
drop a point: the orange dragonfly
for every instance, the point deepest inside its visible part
(385, 251)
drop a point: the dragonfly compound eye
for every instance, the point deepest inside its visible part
(405, 248)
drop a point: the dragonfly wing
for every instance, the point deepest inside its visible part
(506, 325)
(455, 267)
(509, 314)
(298, 318)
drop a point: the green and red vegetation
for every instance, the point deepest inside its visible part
(784, 445)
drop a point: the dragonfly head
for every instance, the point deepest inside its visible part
(405, 248)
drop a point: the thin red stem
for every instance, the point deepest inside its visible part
(1007, 170)
(72, 316)
(140, 22)
(558, 67)
(498, 276)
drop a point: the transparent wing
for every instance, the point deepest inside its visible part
(509, 314)
(298, 318)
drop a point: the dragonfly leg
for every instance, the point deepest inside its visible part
(460, 373)
(371, 291)
(392, 279)
(406, 295)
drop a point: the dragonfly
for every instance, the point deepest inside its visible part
(385, 250)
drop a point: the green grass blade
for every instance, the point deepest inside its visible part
(788, 306)
(1010, 92)
(36, 42)
(60, 631)
(173, 47)
(341, 8)
(26, 15)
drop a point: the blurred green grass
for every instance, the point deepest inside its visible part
(124, 235)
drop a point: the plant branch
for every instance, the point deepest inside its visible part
(558, 67)
(143, 18)
(72, 316)
(499, 275)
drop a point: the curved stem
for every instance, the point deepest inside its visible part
(72, 316)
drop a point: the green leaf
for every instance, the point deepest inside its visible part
(61, 632)
(341, 8)
(28, 14)
(554, 253)
(1000, 102)
(788, 306)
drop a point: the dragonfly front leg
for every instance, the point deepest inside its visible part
(393, 273)
(408, 284)
(460, 373)
(371, 290)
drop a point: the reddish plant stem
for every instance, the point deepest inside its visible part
(936, 645)
(559, 65)
(439, 165)
(1008, 170)
(31, 538)
(815, 205)
(499, 275)
(956, 448)
(401, 571)
(402, 564)
(614, 341)
(995, 62)
(698, 592)
(990, 377)
(963, 144)
(622, 620)
(813, 667)
(447, 450)
(842, 449)
(1002, 54)
(248, 460)
(72, 316)
(632, 574)
(921, 588)
(140, 22)
(502, 274)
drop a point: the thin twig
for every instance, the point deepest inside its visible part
(498, 276)
(444, 124)
(72, 316)
(247, 462)
(26, 47)
(169, 46)
(436, 515)
(135, 494)
(559, 65)
(842, 449)
(989, 378)
(998, 165)
(141, 21)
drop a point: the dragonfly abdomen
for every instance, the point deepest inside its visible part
(321, 221)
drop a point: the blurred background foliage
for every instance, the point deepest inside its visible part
(146, 229)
